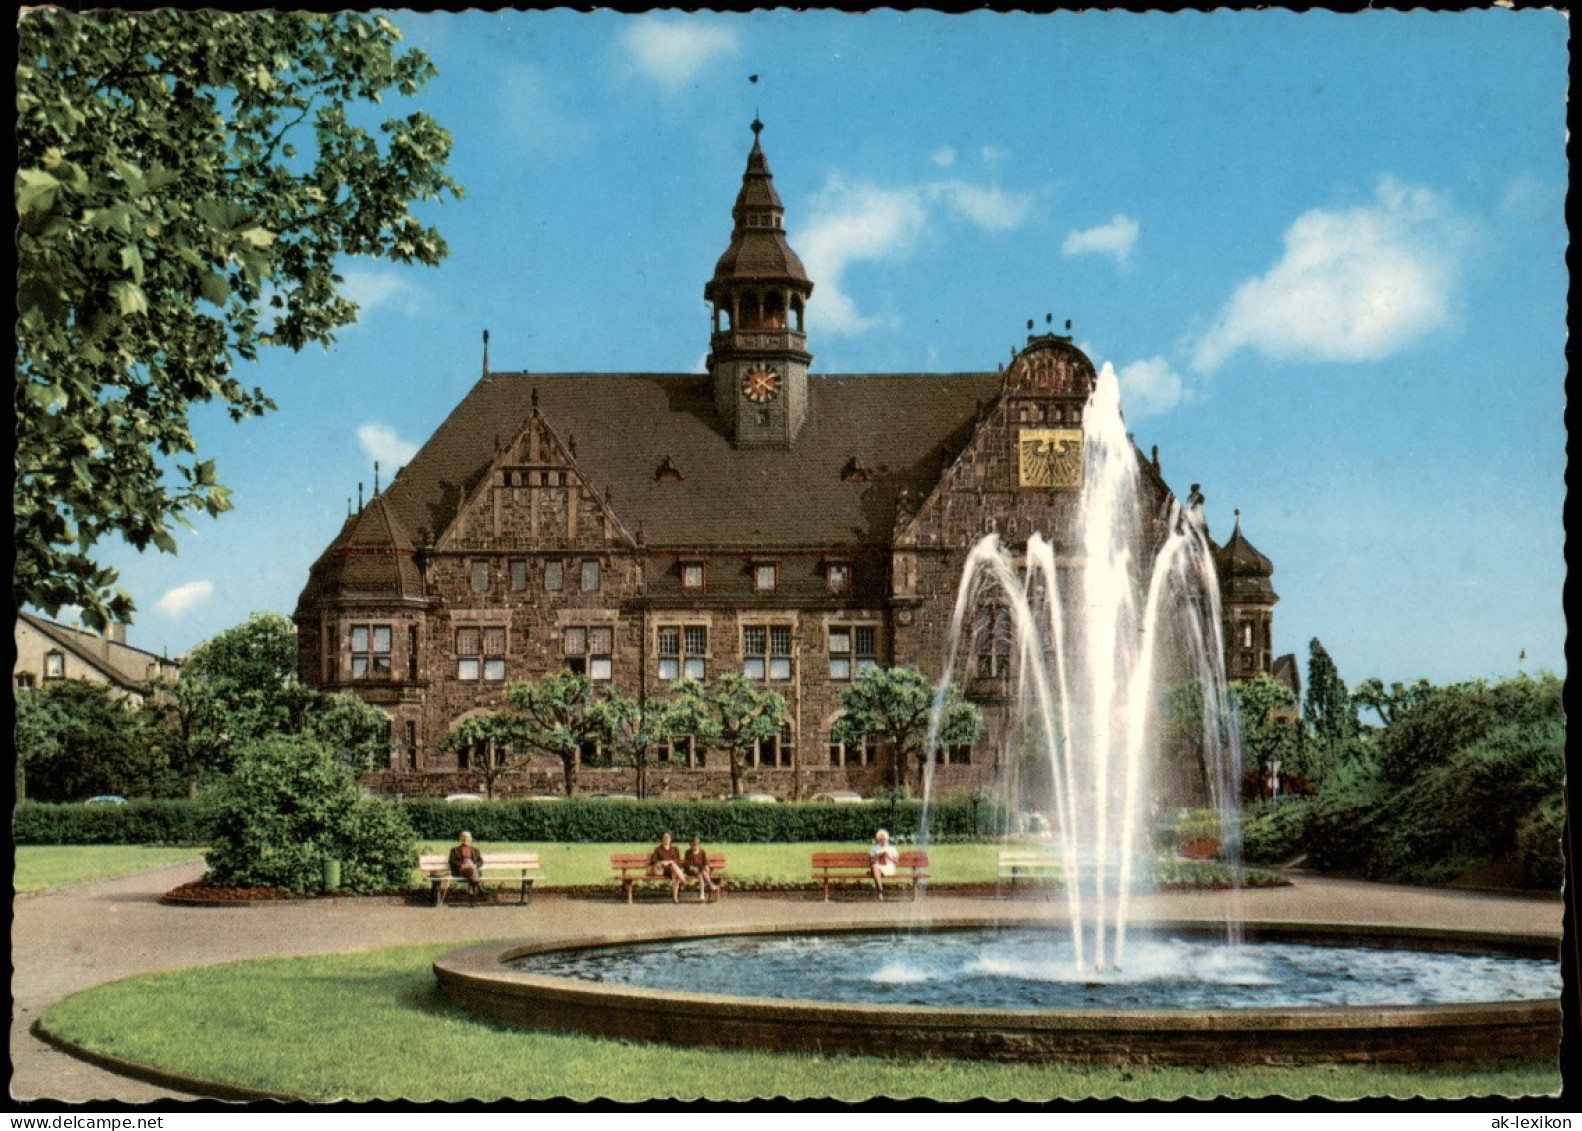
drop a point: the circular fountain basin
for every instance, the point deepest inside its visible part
(1293, 994)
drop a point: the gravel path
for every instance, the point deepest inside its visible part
(72, 938)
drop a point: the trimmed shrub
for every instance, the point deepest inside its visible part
(1538, 840)
(578, 820)
(136, 822)
(287, 808)
(1273, 835)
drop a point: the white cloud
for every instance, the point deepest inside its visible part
(993, 154)
(851, 223)
(1354, 284)
(380, 442)
(1151, 388)
(371, 290)
(1116, 238)
(673, 52)
(184, 597)
(944, 157)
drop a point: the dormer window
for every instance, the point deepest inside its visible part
(693, 576)
(854, 472)
(766, 576)
(668, 472)
(837, 575)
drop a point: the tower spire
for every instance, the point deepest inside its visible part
(486, 353)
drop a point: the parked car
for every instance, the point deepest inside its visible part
(463, 797)
(755, 798)
(106, 799)
(613, 796)
(837, 797)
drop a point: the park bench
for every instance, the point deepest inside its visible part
(502, 868)
(1028, 864)
(631, 869)
(834, 867)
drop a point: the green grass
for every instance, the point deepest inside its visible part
(51, 865)
(373, 1025)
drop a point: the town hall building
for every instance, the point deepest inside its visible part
(761, 518)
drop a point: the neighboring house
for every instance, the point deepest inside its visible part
(644, 528)
(47, 652)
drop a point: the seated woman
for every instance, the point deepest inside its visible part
(882, 860)
(696, 864)
(466, 863)
(665, 860)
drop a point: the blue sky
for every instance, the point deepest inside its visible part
(1325, 253)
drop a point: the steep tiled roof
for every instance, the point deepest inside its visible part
(122, 665)
(373, 558)
(1244, 572)
(903, 427)
(758, 249)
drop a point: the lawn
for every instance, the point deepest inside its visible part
(40, 866)
(373, 1025)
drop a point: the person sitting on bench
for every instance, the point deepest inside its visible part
(696, 865)
(467, 863)
(883, 859)
(665, 860)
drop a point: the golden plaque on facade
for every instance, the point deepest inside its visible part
(1050, 457)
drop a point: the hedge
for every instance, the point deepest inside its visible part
(136, 822)
(579, 820)
(566, 822)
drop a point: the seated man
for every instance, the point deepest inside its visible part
(665, 860)
(467, 862)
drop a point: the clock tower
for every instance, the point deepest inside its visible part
(758, 349)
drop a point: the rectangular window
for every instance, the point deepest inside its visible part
(553, 575)
(864, 755)
(775, 751)
(588, 651)
(766, 651)
(494, 654)
(480, 653)
(370, 651)
(54, 665)
(681, 750)
(480, 575)
(590, 577)
(518, 575)
(853, 649)
(683, 652)
(838, 576)
(960, 755)
(765, 576)
(993, 644)
(411, 652)
(693, 575)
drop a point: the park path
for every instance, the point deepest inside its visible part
(71, 938)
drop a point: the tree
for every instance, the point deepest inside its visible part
(555, 715)
(357, 731)
(732, 714)
(894, 706)
(186, 185)
(630, 729)
(1268, 733)
(500, 733)
(1328, 712)
(76, 739)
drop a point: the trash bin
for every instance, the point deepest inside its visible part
(332, 874)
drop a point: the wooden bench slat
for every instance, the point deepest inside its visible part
(911, 868)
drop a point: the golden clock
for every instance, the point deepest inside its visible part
(761, 384)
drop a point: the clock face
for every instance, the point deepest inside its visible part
(761, 384)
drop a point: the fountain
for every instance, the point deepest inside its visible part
(1099, 621)
(1096, 630)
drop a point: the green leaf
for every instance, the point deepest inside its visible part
(214, 288)
(129, 297)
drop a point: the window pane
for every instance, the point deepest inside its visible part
(360, 639)
(755, 667)
(692, 575)
(359, 667)
(467, 669)
(494, 669)
(764, 577)
(468, 641)
(865, 637)
(753, 641)
(835, 752)
(839, 640)
(518, 576)
(590, 576)
(694, 669)
(779, 668)
(669, 669)
(599, 667)
(867, 664)
(839, 577)
(669, 641)
(601, 641)
(576, 642)
(780, 640)
(494, 642)
(480, 577)
(697, 640)
(552, 575)
(381, 638)
(382, 667)
(839, 667)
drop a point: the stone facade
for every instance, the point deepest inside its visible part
(641, 528)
